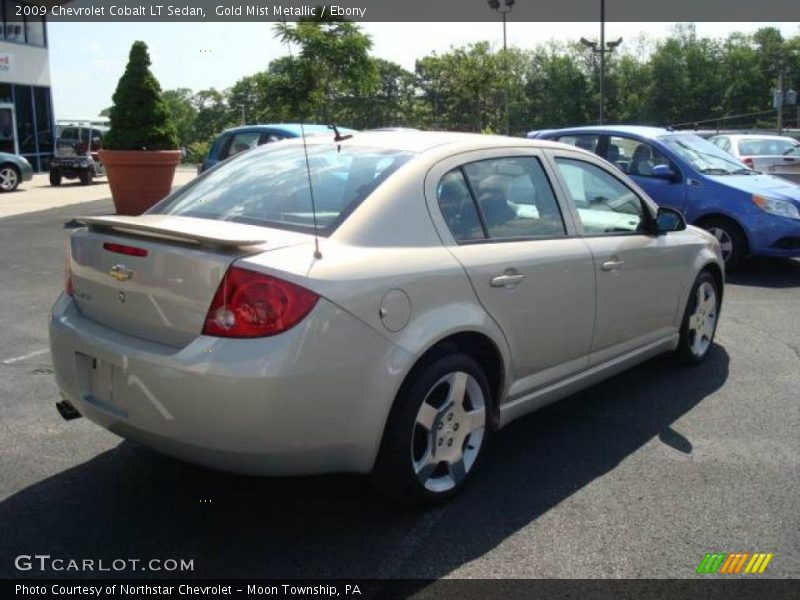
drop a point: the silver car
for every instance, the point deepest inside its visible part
(773, 154)
(455, 283)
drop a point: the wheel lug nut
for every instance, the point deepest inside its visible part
(441, 425)
(440, 441)
(455, 427)
(450, 417)
(450, 442)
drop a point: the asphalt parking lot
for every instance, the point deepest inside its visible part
(636, 477)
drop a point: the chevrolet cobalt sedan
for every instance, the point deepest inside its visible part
(375, 305)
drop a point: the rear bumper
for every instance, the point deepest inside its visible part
(312, 400)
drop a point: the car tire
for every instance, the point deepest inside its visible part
(436, 432)
(55, 177)
(700, 320)
(9, 178)
(731, 238)
(86, 177)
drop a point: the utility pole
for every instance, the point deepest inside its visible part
(602, 49)
(781, 96)
(503, 9)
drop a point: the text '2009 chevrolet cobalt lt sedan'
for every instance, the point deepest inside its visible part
(460, 281)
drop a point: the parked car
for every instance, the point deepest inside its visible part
(233, 141)
(14, 169)
(773, 154)
(748, 212)
(77, 154)
(460, 281)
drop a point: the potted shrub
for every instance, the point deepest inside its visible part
(140, 151)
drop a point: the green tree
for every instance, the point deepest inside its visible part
(183, 113)
(140, 118)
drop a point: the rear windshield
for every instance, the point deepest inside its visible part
(269, 186)
(768, 147)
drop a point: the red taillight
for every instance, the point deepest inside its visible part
(68, 289)
(123, 249)
(748, 162)
(250, 304)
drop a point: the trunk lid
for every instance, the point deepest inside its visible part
(154, 276)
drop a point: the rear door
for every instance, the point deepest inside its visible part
(639, 275)
(499, 216)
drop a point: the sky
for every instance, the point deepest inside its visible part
(87, 59)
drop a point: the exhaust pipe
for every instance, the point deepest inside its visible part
(67, 411)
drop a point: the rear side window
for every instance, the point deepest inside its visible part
(269, 186)
(585, 141)
(458, 207)
(508, 198)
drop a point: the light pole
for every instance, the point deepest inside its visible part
(504, 9)
(244, 120)
(602, 49)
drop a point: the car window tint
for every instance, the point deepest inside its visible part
(767, 147)
(241, 142)
(515, 198)
(604, 204)
(269, 186)
(585, 141)
(634, 157)
(458, 207)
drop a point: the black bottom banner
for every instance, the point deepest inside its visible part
(390, 589)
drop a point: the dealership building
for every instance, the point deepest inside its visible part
(27, 126)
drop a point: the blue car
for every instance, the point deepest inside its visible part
(232, 141)
(748, 212)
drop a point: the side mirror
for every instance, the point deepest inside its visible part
(669, 219)
(664, 172)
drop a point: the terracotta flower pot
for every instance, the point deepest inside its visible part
(139, 178)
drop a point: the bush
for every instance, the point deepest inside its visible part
(197, 151)
(140, 118)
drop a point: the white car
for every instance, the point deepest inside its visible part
(460, 281)
(773, 154)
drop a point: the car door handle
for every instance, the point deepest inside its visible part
(612, 265)
(506, 280)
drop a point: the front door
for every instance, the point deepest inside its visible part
(639, 275)
(530, 272)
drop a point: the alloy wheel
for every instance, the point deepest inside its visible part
(8, 179)
(725, 241)
(703, 320)
(448, 431)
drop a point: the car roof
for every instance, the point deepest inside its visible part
(423, 141)
(293, 129)
(645, 131)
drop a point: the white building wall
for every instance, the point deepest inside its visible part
(24, 65)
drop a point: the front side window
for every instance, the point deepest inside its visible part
(269, 186)
(240, 142)
(634, 157)
(604, 204)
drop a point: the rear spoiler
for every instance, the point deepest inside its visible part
(200, 231)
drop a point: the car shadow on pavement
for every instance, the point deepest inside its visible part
(129, 502)
(767, 272)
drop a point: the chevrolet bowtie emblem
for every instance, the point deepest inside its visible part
(120, 272)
